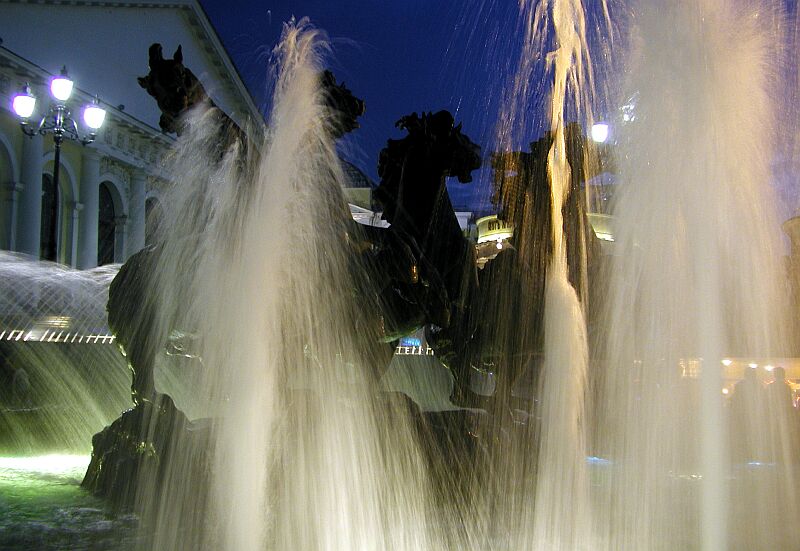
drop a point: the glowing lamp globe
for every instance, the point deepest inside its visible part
(24, 104)
(94, 116)
(61, 87)
(600, 132)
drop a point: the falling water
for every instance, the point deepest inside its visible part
(64, 377)
(553, 508)
(697, 277)
(561, 518)
(305, 453)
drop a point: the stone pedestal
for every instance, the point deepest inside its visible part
(143, 451)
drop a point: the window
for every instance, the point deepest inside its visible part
(48, 249)
(106, 230)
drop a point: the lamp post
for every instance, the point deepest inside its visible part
(58, 119)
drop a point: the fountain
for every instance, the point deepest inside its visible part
(56, 351)
(699, 279)
(608, 427)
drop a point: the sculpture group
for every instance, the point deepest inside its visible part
(420, 272)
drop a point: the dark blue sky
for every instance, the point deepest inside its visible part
(402, 56)
(399, 57)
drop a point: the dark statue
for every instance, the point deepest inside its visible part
(421, 272)
(174, 87)
(508, 337)
(128, 451)
(415, 202)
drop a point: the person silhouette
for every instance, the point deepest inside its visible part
(779, 391)
(780, 405)
(748, 418)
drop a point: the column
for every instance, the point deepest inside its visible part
(137, 212)
(76, 209)
(90, 215)
(10, 200)
(29, 216)
(120, 233)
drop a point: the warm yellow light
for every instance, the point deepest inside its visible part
(600, 132)
(57, 321)
(726, 362)
(753, 365)
(495, 236)
(725, 391)
(769, 367)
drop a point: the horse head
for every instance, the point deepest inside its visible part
(174, 87)
(433, 149)
(344, 106)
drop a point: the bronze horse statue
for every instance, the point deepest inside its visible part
(413, 269)
(421, 272)
(416, 203)
(422, 268)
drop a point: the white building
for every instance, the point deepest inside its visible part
(105, 190)
(98, 213)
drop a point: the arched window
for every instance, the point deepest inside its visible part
(106, 230)
(49, 237)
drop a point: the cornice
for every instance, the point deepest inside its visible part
(25, 71)
(122, 137)
(206, 35)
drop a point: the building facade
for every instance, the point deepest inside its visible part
(99, 212)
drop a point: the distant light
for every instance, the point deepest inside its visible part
(52, 464)
(725, 391)
(61, 86)
(759, 464)
(410, 341)
(24, 103)
(769, 367)
(56, 321)
(753, 366)
(726, 362)
(94, 116)
(600, 132)
(494, 236)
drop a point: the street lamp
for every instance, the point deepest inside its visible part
(600, 132)
(57, 120)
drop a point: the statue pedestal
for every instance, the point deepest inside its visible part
(139, 455)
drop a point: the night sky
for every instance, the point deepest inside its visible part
(426, 55)
(399, 57)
